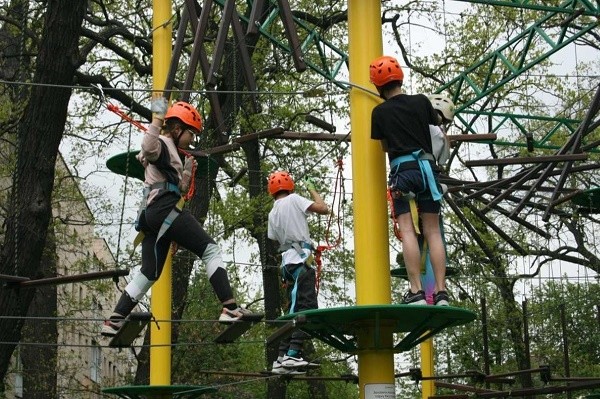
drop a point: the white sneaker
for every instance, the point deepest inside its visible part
(233, 315)
(290, 362)
(279, 369)
(111, 327)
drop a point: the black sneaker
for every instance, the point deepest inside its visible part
(417, 298)
(440, 298)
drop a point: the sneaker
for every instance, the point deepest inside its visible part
(228, 316)
(277, 368)
(440, 298)
(290, 362)
(111, 327)
(417, 298)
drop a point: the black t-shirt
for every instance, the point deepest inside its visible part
(403, 122)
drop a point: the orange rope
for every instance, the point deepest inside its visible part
(188, 196)
(397, 231)
(320, 248)
(125, 117)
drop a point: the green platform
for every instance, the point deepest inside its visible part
(126, 164)
(589, 199)
(412, 324)
(159, 391)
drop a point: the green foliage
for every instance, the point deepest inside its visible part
(575, 302)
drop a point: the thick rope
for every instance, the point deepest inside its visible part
(339, 183)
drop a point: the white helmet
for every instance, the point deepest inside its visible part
(443, 104)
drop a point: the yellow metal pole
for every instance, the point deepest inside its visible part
(160, 303)
(427, 386)
(375, 365)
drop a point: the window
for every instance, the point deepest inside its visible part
(18, 374)
(95, 362)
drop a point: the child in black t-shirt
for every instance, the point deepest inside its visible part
(401, 123)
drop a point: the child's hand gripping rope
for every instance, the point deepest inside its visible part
(309, 183)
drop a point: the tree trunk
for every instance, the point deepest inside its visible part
(40, 362)
(514, 321)
(39, 136)
(268, 256)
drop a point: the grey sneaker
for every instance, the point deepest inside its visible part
(417, 298)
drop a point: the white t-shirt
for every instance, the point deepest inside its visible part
(287, 224)
(439, 144)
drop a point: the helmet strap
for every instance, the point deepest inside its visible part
(176, 138)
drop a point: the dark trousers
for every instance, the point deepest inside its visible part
(301, 295)
(186, 231)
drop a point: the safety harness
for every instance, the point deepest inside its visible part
(177, 209)
(286, 276)
(170, 217)
(400, 163)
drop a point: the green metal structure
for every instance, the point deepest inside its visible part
(556, 30)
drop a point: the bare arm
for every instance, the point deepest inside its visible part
(318, 206)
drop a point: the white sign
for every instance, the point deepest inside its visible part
(380, 391)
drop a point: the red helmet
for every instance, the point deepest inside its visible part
(279, 181)
(385, 69)
(186, 113)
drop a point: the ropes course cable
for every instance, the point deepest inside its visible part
(330, 244)
(126, 185)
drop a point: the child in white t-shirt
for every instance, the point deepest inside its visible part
(289, 227)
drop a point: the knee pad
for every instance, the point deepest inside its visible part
(138, 286)
(212, 259)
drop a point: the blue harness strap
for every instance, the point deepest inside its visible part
(168, 222)
(426, 172)
(161, 186)
(166, 186)
(294, 293)
(298, 246)
(294, 276)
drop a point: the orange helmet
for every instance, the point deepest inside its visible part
(385, 69)
(186, 113)
(279, 181)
